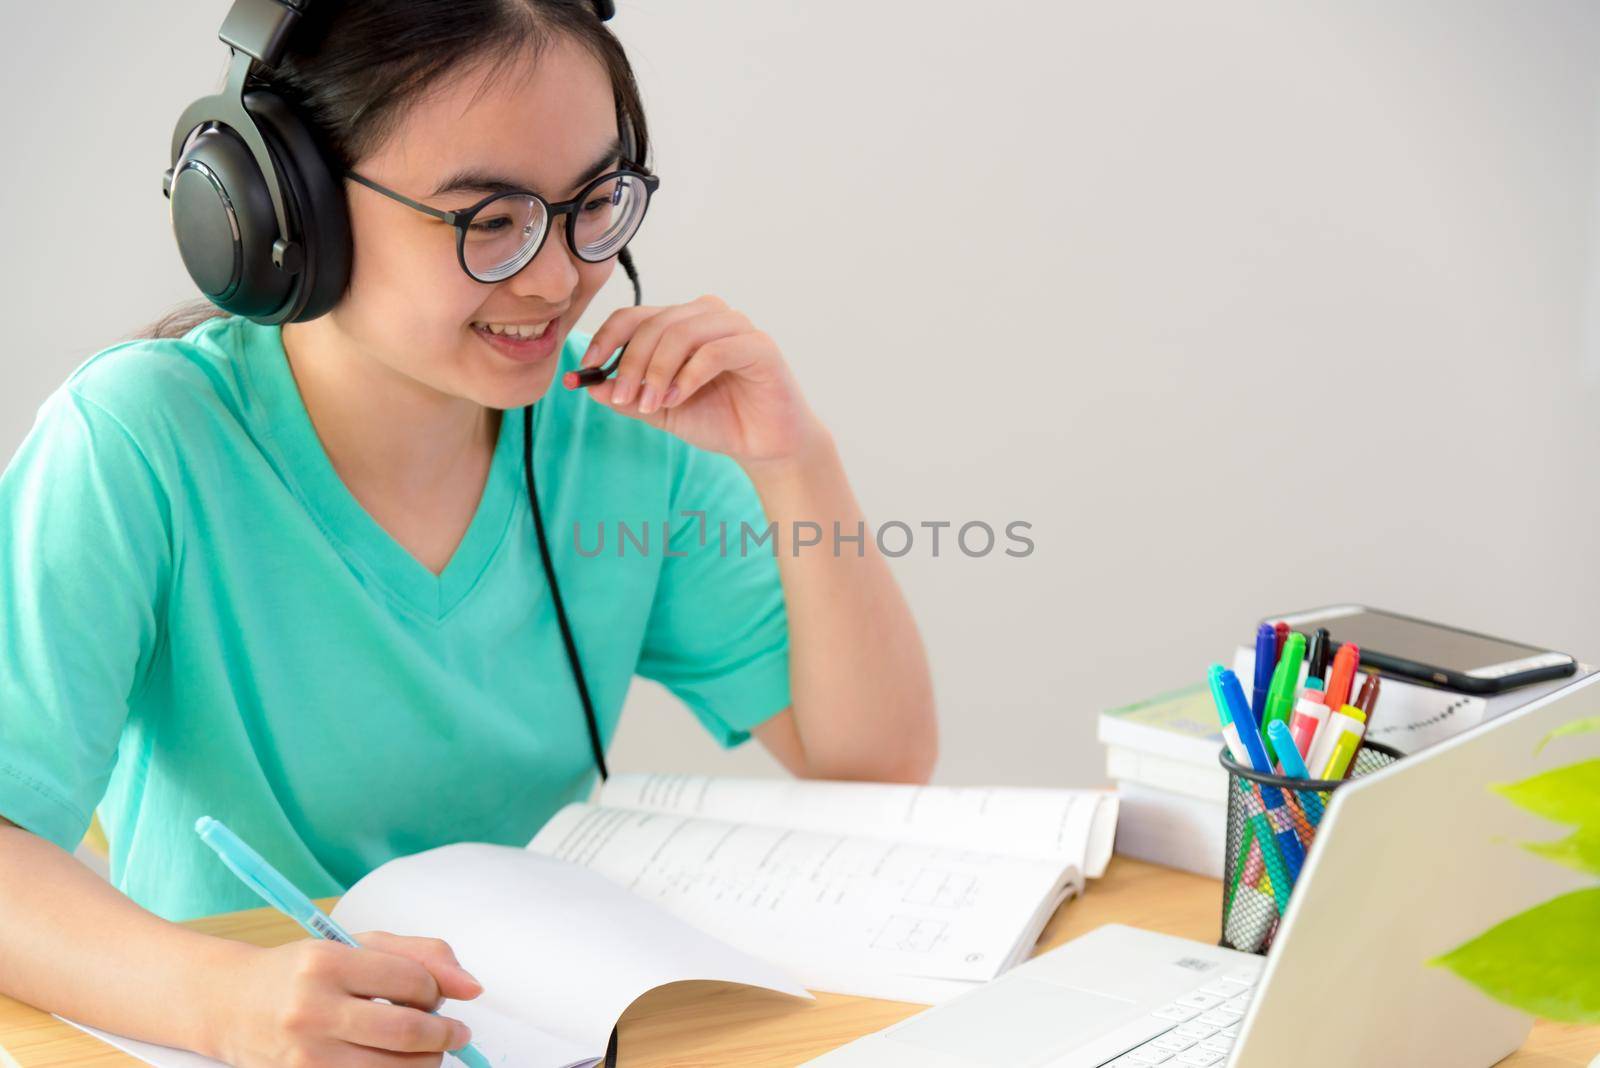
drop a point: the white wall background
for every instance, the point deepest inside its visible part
(1245, 306)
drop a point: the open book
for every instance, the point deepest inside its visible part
(909, 892)
(913, 893)
(561, 952)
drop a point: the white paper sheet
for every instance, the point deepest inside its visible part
(1073, 826)
(550, 1051)
(149, 1052)
(561, 951)
(818, 903)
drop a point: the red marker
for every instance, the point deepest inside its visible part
(1282, 630)
(1343, 675)
(1309, 716)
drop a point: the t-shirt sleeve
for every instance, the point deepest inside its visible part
(85, 549)
(718, 635)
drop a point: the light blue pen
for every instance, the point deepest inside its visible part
(1295, 768)
(284, 896)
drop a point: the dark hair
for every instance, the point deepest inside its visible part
(363, 61)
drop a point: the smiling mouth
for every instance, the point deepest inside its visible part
(524, 331)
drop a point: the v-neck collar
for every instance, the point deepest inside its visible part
(359, 538)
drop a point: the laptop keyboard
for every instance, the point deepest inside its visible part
(1204, 1021)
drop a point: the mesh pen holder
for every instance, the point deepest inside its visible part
(1272, 822)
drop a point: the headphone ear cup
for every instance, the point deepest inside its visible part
(317, 200)
(222, 217)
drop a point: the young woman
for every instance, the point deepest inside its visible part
(288, 576)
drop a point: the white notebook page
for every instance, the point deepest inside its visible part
(1074, 826)
(561, 951)
(815, 903)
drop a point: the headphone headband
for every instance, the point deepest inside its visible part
(261, 28)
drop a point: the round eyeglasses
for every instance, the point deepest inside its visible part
(500, 234)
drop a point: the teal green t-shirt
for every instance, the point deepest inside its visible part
(198, 618)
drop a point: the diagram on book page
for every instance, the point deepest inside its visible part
(948, 889)
(910, 934)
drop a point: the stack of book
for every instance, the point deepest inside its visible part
(1162, 755)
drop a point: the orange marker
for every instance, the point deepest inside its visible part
(1345, 662)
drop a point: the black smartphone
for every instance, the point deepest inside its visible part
(1433, 652)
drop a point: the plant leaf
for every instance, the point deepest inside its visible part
(1565, 795)
(1541, 961)
(1580, 849)
(1577, 726)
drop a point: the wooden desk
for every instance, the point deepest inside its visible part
(709, 1025)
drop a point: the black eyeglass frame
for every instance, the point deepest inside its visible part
(460, 220)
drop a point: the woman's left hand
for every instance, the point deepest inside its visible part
(701, 371)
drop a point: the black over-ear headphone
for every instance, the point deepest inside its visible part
(263, 229)
(259, 217)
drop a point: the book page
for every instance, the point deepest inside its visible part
(819, 904)
(490, 1030)
(561, 952)
(1075, 827)
(148, 1052)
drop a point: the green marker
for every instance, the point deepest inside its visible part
(1285, 680)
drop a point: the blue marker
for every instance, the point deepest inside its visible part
(284, 896)
(1266, 660)
(1294, 853)
(1295, 768)
(1230, 733)
(1249, 733)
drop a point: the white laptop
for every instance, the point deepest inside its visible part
(1409, 862)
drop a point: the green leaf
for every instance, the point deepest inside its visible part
(1577, 726)
(1565, 795)
(1580, 849)
(1541, 961)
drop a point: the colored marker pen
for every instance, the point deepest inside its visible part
(1369, 696)
(1339, 760)
(1317, 655)
(1254, 868)
(1285, 682)
(1349, 720)
(1266, 661)
(1243, 867)
(1309, 716)
(1274, 861)
(1249, 738)
(1345, 662)
(1295, 768)
(1230, 730)
(1310, 710)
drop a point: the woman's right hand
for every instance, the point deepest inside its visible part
(310, 1003)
